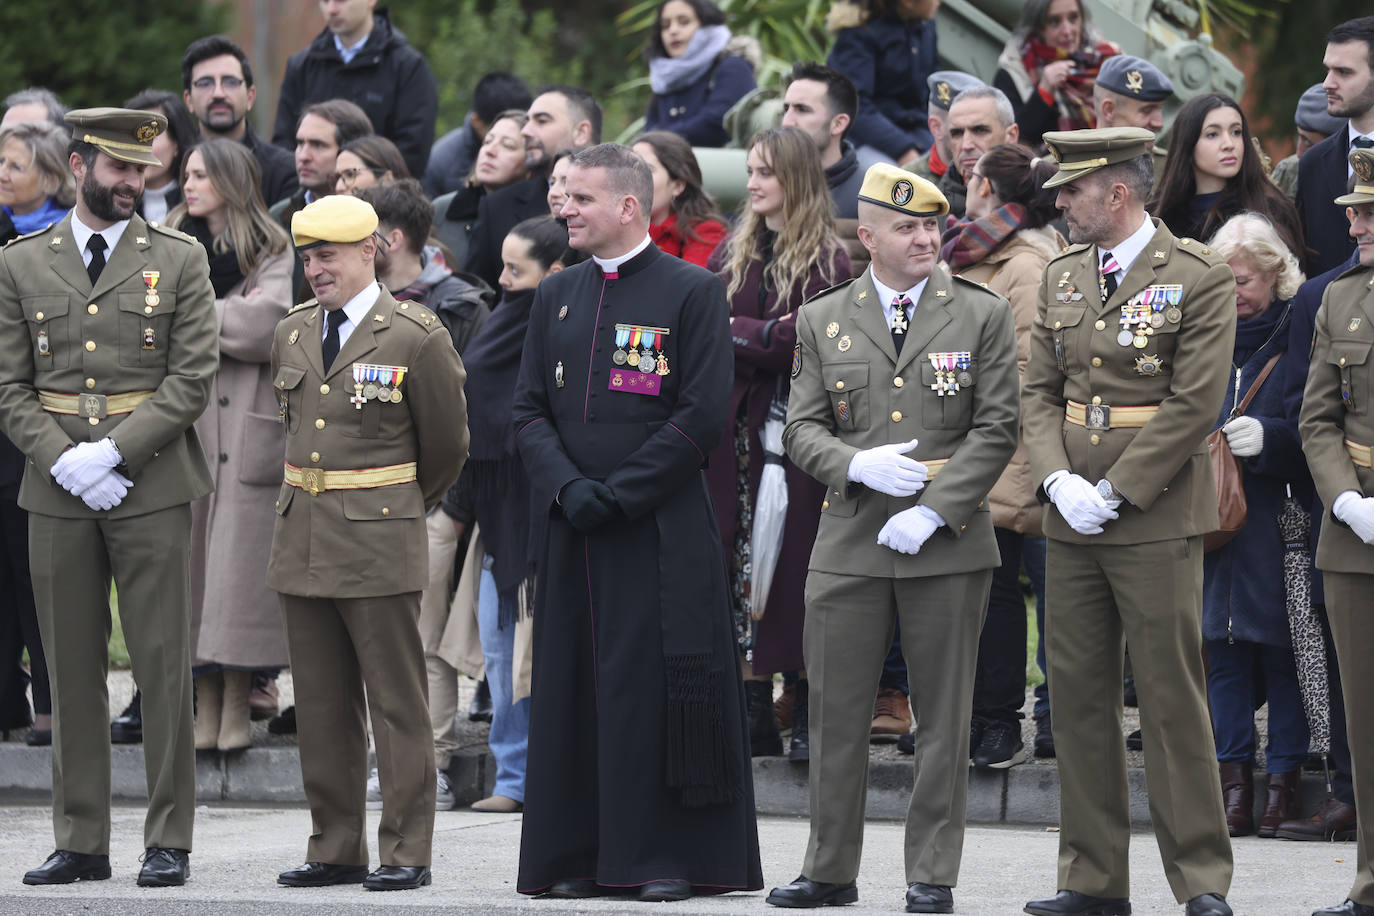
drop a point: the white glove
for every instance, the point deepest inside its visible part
(1245, 435)
(906, 531)
(107, 492)
(79, 467)
(1080, 504)
(1356, 511)
(888, 470)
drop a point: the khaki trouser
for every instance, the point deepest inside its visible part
(849, 621)
(72, 561)
(1150, 594)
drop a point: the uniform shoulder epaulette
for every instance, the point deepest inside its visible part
(832, 289)
(309, 303)
(30, 235)
(1070, 250)
(420, 315)
(973, 283)
(170, 232)
(1200, 251)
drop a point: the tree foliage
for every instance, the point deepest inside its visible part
(95, 52)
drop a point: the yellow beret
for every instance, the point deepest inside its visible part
(338, 219)
(903, 191)
(1362, 161)
(123, 133)
(1082, 152)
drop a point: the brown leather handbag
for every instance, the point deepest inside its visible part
(1226, 471)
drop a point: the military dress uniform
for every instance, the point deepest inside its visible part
(129, 358)
(372, 442)
(1337, 430)
(1123, 388)
(953, 386)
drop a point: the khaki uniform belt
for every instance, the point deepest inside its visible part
(94, 406)
(1101, 416)
(316, 480)
(933, 466)
(1362, 455)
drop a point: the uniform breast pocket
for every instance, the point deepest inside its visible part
(47, 319)
(1064, 324)
(847, 384)
(947, 396)
(145, 326)
(1351, 358)
(290, 395)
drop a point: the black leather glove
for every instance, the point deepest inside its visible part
(588, 504)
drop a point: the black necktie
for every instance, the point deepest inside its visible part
(330, 347)
(96, 246)
(1362, 143)
(900, 321)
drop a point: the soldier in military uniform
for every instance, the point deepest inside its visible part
(904, 403)
(108, 328)
(371, 394)
(1337, 435)
(1123, 384)
(943, 85)
(1131, 92)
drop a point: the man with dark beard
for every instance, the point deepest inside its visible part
(109, 328)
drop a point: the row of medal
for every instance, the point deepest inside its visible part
(629, 338)
(376, 382)
(1152, 308)
(951, 371)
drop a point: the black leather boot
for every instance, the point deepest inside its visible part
(128, 727)
(764, 740)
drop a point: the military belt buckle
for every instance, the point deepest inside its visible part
(312, 480)
(1097, 416)
(91, 406)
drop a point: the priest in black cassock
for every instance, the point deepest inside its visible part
(638, 779)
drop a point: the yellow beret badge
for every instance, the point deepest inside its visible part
(902, 192)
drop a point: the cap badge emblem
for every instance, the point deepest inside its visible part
(1135, 81)
(942, 92)
(147, 131)
(902, 192)
(1362, 166)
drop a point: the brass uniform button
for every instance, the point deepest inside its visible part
(898, 382)
(1342, 360)
(1097, 361)
(839, 386)
(93, 309)
(315, 457)
(277, 504)
(1095, 439)
(319, 424)
(385, 510)
(90, 383)
(1101, 325)
(38, 316)
(826, 504)
(94, 421)
(147, 309)
(324, 389)
(963, 527)
(896, 416)
(1058, 325)
(1097, 399)
(90, 346)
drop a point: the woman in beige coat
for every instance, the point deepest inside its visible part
(236, 625)
(1004, 244)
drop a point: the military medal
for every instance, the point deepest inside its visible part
(396, 396)
(844, 344)
(149, 339)
(1148, 365)
(622, 337)
(563, 313)
(832, 329)
(1157, 320)
(358, 399)
(43, 348)
(1354, 324)
(1064, 279)
(1173, 315)
(150, 278)
(558, 375)
(632, 358)
(293, 337)
(662, 363)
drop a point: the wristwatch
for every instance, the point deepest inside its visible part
(1105, 489)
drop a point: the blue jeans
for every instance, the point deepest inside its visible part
(1241, 676)
(510, 723)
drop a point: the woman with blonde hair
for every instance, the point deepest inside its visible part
(36, 187)
(236, 626)
(783, 251)
(500, 163)
(1244, 617)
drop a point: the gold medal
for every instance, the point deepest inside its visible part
(844, 344)
(395, 395)
(632, 357)
(1140, 342)
(662, 363)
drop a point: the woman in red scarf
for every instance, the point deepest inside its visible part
(684, 220)
(1049, 66)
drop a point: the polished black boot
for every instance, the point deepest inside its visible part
(479, 710)
(128, 727)
(799, 750)
(764, 740)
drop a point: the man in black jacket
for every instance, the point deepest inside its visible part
(361, 57)
(822, 102)
(1324, 170)
(217, 84)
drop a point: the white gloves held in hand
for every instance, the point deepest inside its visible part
(1245, 436)
(107, 492)
(1078, 501)
(86, 470)
(906, 531)
(888, 470)
(1356, 511)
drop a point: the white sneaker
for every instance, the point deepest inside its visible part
(443, 792)
(374, 791)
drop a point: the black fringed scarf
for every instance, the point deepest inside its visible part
(224, 265)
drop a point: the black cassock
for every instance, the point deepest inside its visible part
(638, 756)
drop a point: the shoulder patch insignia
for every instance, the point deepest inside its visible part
(796, 360)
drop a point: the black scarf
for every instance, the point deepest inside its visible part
(224, 266)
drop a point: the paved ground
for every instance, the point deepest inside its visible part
(240, 850)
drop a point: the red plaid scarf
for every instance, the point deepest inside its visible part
(969, 241)
(1075, 96)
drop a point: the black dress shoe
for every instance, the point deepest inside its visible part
(576, 889)
(39, 737)
(65, 866)
(127, 728)
(1208, 905)
(164, 867)
(1134, 742)
(479, 710)
(1072, 903)
(805, 893)
(397, 878)
(284, 724)
(666, 890)
(1349, 908)
(929, 898)
(906, 744)
(322, 874)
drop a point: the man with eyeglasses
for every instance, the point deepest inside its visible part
(217, 84)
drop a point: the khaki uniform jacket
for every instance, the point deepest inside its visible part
(58, 334)
(1162, 469)
(1336, 407)
(366, 542)
(851, 391)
